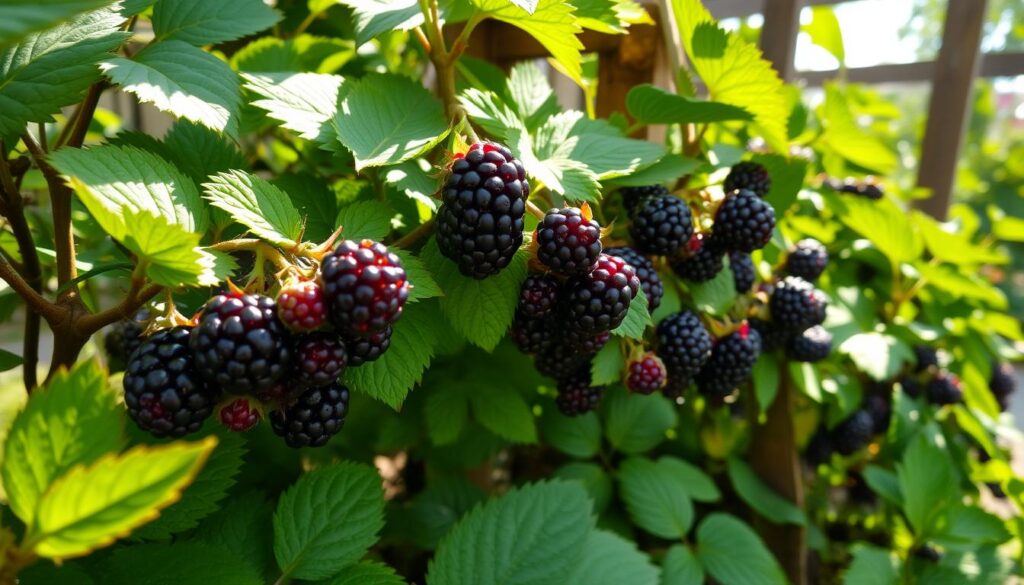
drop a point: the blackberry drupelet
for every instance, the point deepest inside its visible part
(163, 393)
(646, 375)
(813, 345)
(743, 273)
(365, 287)
(480, 221)
(320, 358)
(560, 360)
(532, 334)
(743, 223)
(538, 296)
(631, 196)
(925, 357)
(650, 282)
(684, 345)
(587, 344)
(944, 389)
(795, 305)
(706, 261)
(748, 175)
(239, 415)
(807, 259)
(599, 301)
(731, 362)
(576, 395)
(568, 242)
(772, 337)
(301, 306)
(367, 349)
(675, 387)
(854, 433)
(239, 345)
(662, 226)
(317, 415)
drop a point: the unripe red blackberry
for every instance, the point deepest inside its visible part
(813, 345)
(576, 395)
(795, 305)
(162, 391)
(362, 350)
(925, 358)
(599, 301)
(365, 287)
(480, 221)
(646, 375)
(944, 389)
(807, 259)
(300, 306)
(239, 415)
(743, 273)
(731, 362)
(239, 345)
(650, 282)
(320, 358)
(743, 223)
(684, 345)
(317, 415)
(568, 241)
(748, 175)
(854, 433)
(661, 226)
(1002, 383)
(704, 263)
(538, 296)
(631, 196)
(532, 334)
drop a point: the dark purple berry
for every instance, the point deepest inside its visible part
(743, 273)
(704, 263)
(661, 226)
(631, 196)
(365, 287)
(796, 305)
(731, 362)
(317, 415)
(576, 395)
(813, 345)
(807, 259)
(925, 358)
(301, 306)
(538, 296)
(853, 433)
(122, 339)
(743, 223)
(532, 334)
(568, 242)
(599, 301)
(944, 389)
(646, 375)
(684, 345)
(320, 358)
(367, 349)
(1002, 383)
(748, 175)
(239, 415)
(650, 282)
(772, 337)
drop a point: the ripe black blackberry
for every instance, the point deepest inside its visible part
(748, 175)
(853, 433)
(239, 415)
(480, 221)
(1002, 383)
(795, 305)
(365, 287)
(649, 279)
(772, 337)
(646, 375)
(320, 358)
(162, 391)
(731, 362)
(819, 449)
(239, 345)
(661, 226)
(877, 403)
(584, 343)
(532, 334)
(928, 553)
(675, 387)
(631, 196)
(925, 358)
(743, 223)
(910, 386)
(301, 306)
(538, 296)
(122, 339)
(362, 350)
(684, 345)
(944, 389)
(559, 361)
(317, 415)
(813, 345)
(743, 273)
(576, 395)
(599, 301)
(704, 263)
(568, 241)
(807, 259)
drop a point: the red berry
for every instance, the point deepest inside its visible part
(365, 286)
(320, 358)
(239, 415)
(646, 374)
(300, 306)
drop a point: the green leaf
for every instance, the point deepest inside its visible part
(716, 296)
(653, 105)
(884, 483)
(373, 17)
(504, 412)
(535, 535)
(668, 168)
(413, 343)
(51, 69)
(825, 32)
(413, 177)
(691, 478)
(50, 574)
(957, 283)
(883, 223)
(8, 360)
(608, 365)
(365, 220)
(847, 138)
(872, 566)
(576, 436)
(328, 520)
(199, 22)
(73, 421)
(491, 113)
(634, 423)
(610, 16)
(974, 525)
(173, 254)
(447, 411)
(766, 380)
(303, 52)
(423, 284)
(183, 81)
(437, 508)
(91, 506)
(609, 559)
(174, 564)
(928, 483)
(258, 205)
(722, 539)
(243, 527)
(201, 152)
(315, 201)
(552, 23)
(787, 179)
(531, 94)
(479, 310)
(569, 178)
(367, 573)
(303, 102)
(655, 499)
(878, 355)
(593, 477)
(762, 498)
(20, 17)
(385, 119)
(680, 567)
(637, 318)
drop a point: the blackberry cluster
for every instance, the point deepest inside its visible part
(743, 273)
(363, 350)
(633, 195)
(320, 358)
(576, 394)
(532, 334)
(646, 375)
(743, 223)
(1002, 383)
(750, 176)
(705, 261)
(807, 259)
(650, 282)
(365, 286)
(731, 363)
(662, 226)
(568, 242)
(538, 296)
(813, 345)
(314, 418)
(480, 221)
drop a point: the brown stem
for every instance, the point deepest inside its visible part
(60, 203)
(421, 231)
(137, 296)
(51, 312)
(77, 126)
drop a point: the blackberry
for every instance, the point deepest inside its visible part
(317, 415)
(853, 433)
(819, 449)
(743, 273)
(859, 491)
(944, 389)
(560, 360)
(576, 395)
(365, 286)
(123, 338)
(367, 349)
(675, 387)
(532, 334)
(910, 386)
(868, 188)
(925, 358)
(631, 196)
(480, 221)
(568, 242)
(744, 222)
(684, 345)
(649, 279)
(807, 259)
(661, 226)
(586, 344)
(300, 306)
(928, 553)
(538, 296)
(731, 363)
(599, 301)
(239, 415)
(871, 191)
(748, 175)
(1002, 383)
(239, 345)
(795, 305)
(320, 358)
(646, 374)
(772, 337)
(813, 345)
(162, 391)
(705, 263)
(877, 405)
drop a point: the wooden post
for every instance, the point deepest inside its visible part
(952, 87)
(778, 35)
(622, 68)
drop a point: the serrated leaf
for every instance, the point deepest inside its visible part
(668, 168)
(878, 355)
(199, 22)
(576, 436)
(761, 497)
(413, 178)
(316, 203)
(423, 284)
(883, 222)
(552, 23)
(90, 507)
(51, 69)
(173, 255)
(302, 102)
(716, 296)
(594, 479)
(367, 573)
(447, 411)
(437, 508)
(328, 520)
(491, 113)
(824, 31)
(655, 499)
(183, 81)
(872, 566)
(373, 17)
(531, 94)
(257, 204)
(637, 318)
(178, 563)
(201, 152)
(535, 535)
(609, 559)
(385, 119)
(610, 16)
(608, 365)
(304, 52)
(634, 424)
(721, 539)
(974, 525)
(691, 478)
(50, 574)
(680, 567)
(74, 420)
(653, 105)
(504, 412)
(928, 484)
(365, 220)
(243, 527)
(19, 17)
